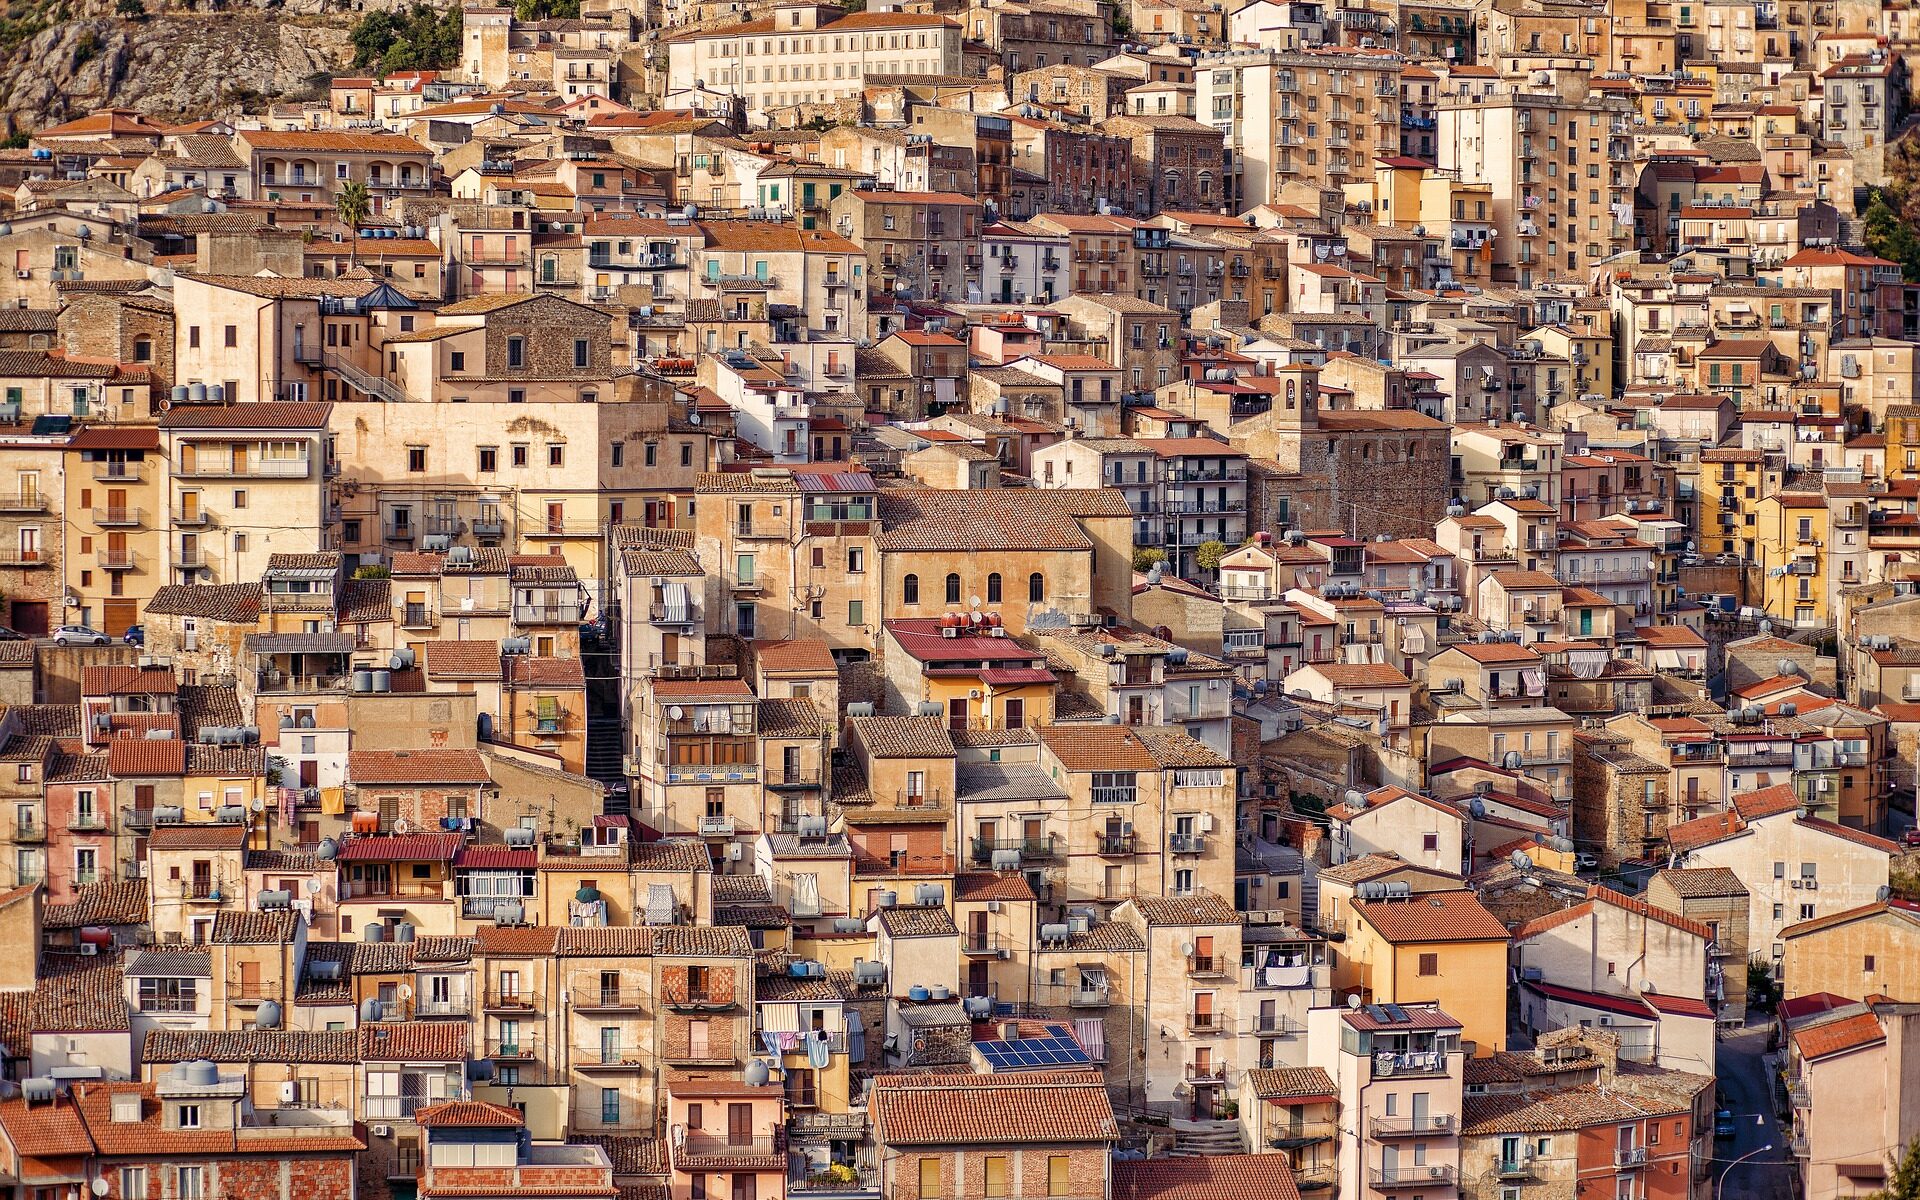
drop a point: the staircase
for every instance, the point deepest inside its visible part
(1310, 895)
(1196, 1138)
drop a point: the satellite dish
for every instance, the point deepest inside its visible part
(1353, 1002)
(693, 418)
(99, 1186)
(973, 601)
(1520, 860)
(258, 805)
(312, 886)
(675, 712)
(406, 991)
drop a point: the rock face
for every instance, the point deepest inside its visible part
(183, 67)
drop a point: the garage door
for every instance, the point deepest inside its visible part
(30, 617)
(119, 615)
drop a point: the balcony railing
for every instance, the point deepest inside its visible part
(716, 1145)
(1205, 1022)
(546, 614)
(1389, 1178)
(1206, 966)
(1206, 1072)
(118, 518)
(1114, 844)
(1625, 1157)
(1114, 795)
(1381, 1126)
(982, 943)
(1027, 848)
(512, 1001)
(604, 998)
(523, 1046)
(23, 502)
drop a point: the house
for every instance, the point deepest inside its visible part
(1391, 820)
(1428, 948)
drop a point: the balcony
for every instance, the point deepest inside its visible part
(1187, 843)
(512, 1001)
(730, 1146)
(603, 998)
(521, 1047)
(119, 472)
(546, 614)
(1392, 1179)
(1295, 1134)
(1385, 1127)
(1027, 848)
(88, 821)
(22, 502)
(1115, 795)
(1415, 1063)
(1204, 1023)
(459, 1007)
(1629, 1157)
(1206, 1072)
(1512, 1168)
(29, 831)
(605, 1059)
(783, 776)
(1116, 845)
(116, 559)
(1275, 1025)
(1207, 966)
(982, 945)
(245, 468)
(118, 518)
(1080, 995)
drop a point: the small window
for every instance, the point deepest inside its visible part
(489, 459)
(457, 360)
(581, 349)
(1429, 964)
(556, 454)
(520, 456)
(953, 588)
(910, 590)
(1036, 588)
(516, 352)
(416, 459)
(1866, 965)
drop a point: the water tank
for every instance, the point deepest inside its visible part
(979, 1007)
(250, 734)
(327, 849)
(918, 992)
(1006, 860)
(756, 1073)
(484, 726)
(230, 813)
(370, 1009)
(401, 660)
(198, 1073)
(869, 973)
(267, 1016)
(374, 932)
(362, 682)
(403, 932)
(940, 992)
(1053, 933)
(887, 899)
(196, 393)
(382, 681)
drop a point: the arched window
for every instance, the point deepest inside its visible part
(953, 589)
(910, 590)
(1036, 588)
(993, 588)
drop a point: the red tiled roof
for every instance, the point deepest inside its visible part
(1432, 917)
(1205, 1177)
(1834, 1037)
(412, 847)
(416, 766)
(1028, 1108)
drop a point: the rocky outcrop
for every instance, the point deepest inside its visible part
(179, 67)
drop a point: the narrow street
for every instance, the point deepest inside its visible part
(1747, 1091)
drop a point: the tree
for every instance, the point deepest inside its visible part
(1147, 558)
(1207, 554)
(372, 571)
(133, 10)
(1762, 991)
(1904, 1183)
(1889, 233)
(353, 202)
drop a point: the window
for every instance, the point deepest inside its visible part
(581, 349)
(953, 588)
(190, 1183)
(993, 588)
(133, 1183)
(489, 459)
(609, 1106)
(910, 590)
(996, 1175)
(929, 1178)
(457, 360)
(189, 1116)
(231, 334)
(1429, 964)
(1059, 1175)
(416, 458)
(556, 454)
(618, 453)
(856, 561)
(1430, 842)
(1866, 966)
(1036, 588)
(856, 613)
(516, 352)
(519, 455)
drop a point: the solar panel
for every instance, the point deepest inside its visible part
(1397, 1014)
(1057, 1048)
(1377, 1013)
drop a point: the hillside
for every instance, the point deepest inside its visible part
(170, 65)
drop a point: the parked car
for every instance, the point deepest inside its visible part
(1585, 862)
(1911, 837)
(1723, 1123)
(136, 635)
(9, 634)
(80, 635)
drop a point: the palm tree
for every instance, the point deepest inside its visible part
(352, 203)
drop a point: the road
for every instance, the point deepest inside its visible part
(1748, 1091)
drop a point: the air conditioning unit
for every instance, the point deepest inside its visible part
(1003, 954)
(993, 906)
(736, 851)
(1813, 885)
(1795, 883)
(89, 948)
(380, 1131)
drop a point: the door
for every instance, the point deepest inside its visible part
(957, 713)
(240, 458)
(117, 504)
(609, 1044)
(203, 888)
(739, 1124)
(249, 972)
(1420, 1105)
(31, 617)
(189, 508)
(310, 772)
(118, 614)
(116, 547)
(1016, 711)
(977, 982)
(977, 930)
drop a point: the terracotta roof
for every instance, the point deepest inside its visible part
(1281, 1083)
(1835, 1037)
(531, 671)
(1028, 1108)
(1098, 747)
(1201, 908)
(408, 847)
(468, 1114)
(199, 835)
(977, 886)
(293, 1046)
(377, 767)
(463, 660)
(917, 921)
(1690, 883)
(991, 520)
(813, 655)
(244, 928)
(904, 737)
(414, 1041)
(137, 757)
(1360, 675)
(1601, 895)
(113, 902)
(1432, 917)
(1767, 802)
(79, 995)
(265, 414)
(1205, 1177)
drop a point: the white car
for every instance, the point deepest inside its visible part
(1585, 862)
(79, 635)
